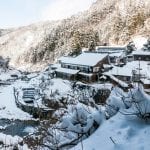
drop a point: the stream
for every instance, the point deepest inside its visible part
(18, 127)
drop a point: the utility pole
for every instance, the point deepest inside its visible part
(139, 72)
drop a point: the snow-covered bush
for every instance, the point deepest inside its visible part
(135, 102)
(78, 122)
(140, 103)
(81, 118)
(116, 101)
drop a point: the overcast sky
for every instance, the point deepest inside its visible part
(15, 13)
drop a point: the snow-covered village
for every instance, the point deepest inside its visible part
(67, 84)
(79, 98)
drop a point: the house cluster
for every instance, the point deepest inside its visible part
(111, 62)
(136, 70)
(89, 65)
(86, 67)
(117, 54)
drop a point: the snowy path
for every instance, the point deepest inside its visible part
(8, 108)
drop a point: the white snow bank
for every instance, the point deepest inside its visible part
(8, 108)
(139, 41)
(29, 130)
(59, 86)
(123, 131)
(6, 74)
(10, 140)
(140, 102)
(126, 132)
(78, 120)
(116, 101)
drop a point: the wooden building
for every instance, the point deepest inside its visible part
(66, 73)
(117, 54)
(85, 67)
(146, 83)
(110, 49)
(141, 55)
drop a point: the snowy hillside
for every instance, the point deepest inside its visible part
(113, 22)
(125, 129)
(81, 83)
(120, 132)
(82, 115)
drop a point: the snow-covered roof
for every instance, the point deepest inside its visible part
(56, 65)
(129, 67)
(66, 70)
(140, 52)
(121, 83)
(112, 47)
(119, 54)
(84, 59)
(120, 71)
(86, 74)
(146, 81)
(107, 66)
(64, 58)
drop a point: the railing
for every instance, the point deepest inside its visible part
(37, 112)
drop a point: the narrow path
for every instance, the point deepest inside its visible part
(8, 108)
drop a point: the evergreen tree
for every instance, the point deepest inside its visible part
(131, 47)
(146, 47)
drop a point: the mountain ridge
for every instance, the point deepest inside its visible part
(115, 22)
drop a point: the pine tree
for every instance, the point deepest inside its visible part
(146, 47)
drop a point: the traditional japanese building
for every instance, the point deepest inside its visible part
(85, 67)
(117, 54)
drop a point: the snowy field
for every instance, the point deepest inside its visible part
(118, 132)
(126, 132)
(8, 108)
(122, 123)
(128, 126)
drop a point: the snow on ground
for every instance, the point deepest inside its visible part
(123, 131)
(29, 130)
(11, 141)
(8, 108)
(119, 132)
(6, 74)
(139, 41)
(126, 132)
(102, 86)
(96, 85)
(127, 70)
(120, 82)
(63, 87)
(8, 139)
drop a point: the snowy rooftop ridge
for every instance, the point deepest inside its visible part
(140, 52)
(85, 59)
(120, 82)
(66, 70)
(127, 70)
(112, 47)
